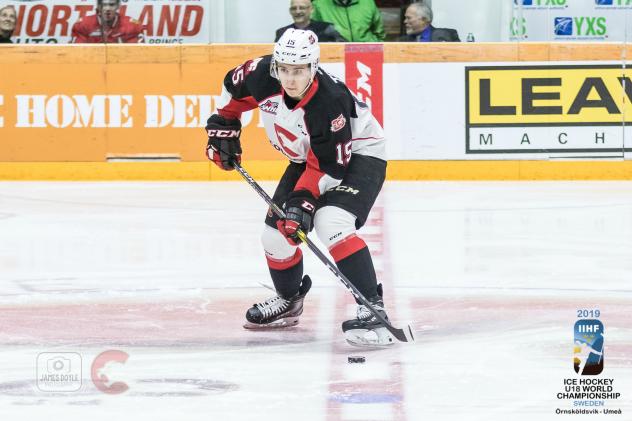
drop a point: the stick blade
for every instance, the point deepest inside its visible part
(403, 335)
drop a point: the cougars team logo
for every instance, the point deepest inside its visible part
(338, 123)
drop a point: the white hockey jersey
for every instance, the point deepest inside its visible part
(323, 129)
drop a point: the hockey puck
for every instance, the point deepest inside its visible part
(356, 359)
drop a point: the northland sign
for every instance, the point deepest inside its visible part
(164, 21)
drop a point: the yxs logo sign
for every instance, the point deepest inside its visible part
(563, 26)
(580, 26)
(613, 2)
(554, 3)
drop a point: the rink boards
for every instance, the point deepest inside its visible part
(506, 111)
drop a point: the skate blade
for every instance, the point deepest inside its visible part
(379, 338)
(277, 324)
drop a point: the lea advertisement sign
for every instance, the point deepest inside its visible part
(544, 109)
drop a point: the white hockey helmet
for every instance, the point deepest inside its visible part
(296, 46)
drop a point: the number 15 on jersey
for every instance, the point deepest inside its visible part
(343, 151)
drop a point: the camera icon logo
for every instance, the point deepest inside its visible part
(59, 371)
(58, 364)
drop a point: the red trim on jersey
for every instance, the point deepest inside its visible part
(285, 263)
(311, 176)
(310, 93)
(346, 247)
(236, 106)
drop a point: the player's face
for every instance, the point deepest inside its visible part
(301, 11)
(7, 19)
(413, 22)
(294, 78)
(108, 9)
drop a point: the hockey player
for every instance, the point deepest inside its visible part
(107, 25)
(337, 167)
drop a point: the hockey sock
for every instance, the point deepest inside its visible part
(287, 275)
(354, 260)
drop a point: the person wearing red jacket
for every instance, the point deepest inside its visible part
(107, 25)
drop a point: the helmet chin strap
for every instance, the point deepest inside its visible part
(306, 88)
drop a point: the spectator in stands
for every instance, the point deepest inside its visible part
(107, 25)
(301, 11)
(8, 18)
(418, 22)
(355, 20)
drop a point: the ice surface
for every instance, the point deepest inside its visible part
(491, 275)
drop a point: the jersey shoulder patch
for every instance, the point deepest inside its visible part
(338, 123)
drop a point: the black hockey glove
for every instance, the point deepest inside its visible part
(223, 145)
(299, 214)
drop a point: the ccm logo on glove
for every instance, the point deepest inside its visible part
(223, 133)
(223, 147)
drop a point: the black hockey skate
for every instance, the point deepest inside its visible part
(366, 330)
(278, 312)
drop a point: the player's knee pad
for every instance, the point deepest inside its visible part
(333, 224)
(276, 245)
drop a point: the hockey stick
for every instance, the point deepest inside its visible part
(403, 335)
